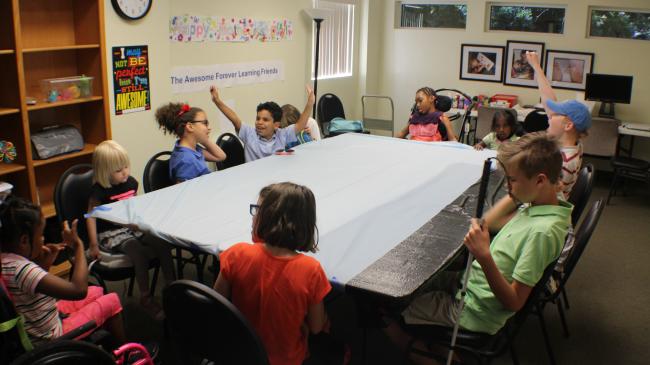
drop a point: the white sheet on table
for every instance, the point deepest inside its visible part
(371, 192)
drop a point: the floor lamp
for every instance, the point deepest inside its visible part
(317, 15)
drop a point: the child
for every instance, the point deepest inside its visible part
(290, 116)
(506, 270)
(193, 146)
(112, 182)
(41, 297)
(266, 137)
(426, 123)
(278, 289)
(568, 121)
(503, 129)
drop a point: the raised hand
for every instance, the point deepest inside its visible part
(214, 92)
(311, 98)
(533, 59)
(70, 236)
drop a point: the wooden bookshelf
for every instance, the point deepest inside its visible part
(40, 40)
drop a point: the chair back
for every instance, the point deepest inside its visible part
(156, 173)
(329, 107)
(582, 236)
(536, 121)
(66, 352)
(13, 337)
(205, 325)
(602, 139)
(234, 150)
(484, 120)
(581, 192)
(71, 196)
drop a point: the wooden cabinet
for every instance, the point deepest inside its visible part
(45, 39)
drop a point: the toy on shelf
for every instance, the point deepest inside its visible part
(67, 88)
(7, 151)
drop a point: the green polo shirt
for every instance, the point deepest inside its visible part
(523, 248)
(492, 142)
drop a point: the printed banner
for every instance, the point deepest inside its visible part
(131, 79)
(187, 79)
(193, 28)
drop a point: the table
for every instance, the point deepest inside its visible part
(372, 194)
(633, 130)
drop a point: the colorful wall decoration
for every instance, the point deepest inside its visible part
(131, 79)
(193, 28)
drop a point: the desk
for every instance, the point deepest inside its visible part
(521, 113)
(372, 193)
(633, 130)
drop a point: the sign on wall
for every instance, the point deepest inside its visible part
(131, 79)
(187, 79)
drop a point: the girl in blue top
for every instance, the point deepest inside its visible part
(193, 146)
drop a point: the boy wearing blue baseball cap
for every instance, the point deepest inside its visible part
(568, 121)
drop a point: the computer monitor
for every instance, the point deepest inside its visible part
(608, 89)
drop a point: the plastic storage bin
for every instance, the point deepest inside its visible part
(510, 100)
(67, 88)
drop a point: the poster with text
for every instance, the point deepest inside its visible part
(131, 79)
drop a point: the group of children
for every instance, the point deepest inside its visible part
(277, 288)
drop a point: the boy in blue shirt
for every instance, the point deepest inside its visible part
(266, 137)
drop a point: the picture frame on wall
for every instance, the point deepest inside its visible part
(481, 62)
(518, 72)
(567, 69)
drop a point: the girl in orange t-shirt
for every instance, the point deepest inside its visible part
(278, 289)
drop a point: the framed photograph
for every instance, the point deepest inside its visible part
(518, 71)
(568, 70)
(481, 62)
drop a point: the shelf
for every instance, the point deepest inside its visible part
(48, 210)
(8, 168)
(46, 105)
(6, 51)
(7, 111)
(60, 48)
(88, 149)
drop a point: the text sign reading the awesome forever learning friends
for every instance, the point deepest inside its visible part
(131, 79)
(188, 79)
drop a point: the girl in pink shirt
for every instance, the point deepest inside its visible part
(426, 123)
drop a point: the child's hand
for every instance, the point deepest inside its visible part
(49, 253)
(93, 252)
(70, 237)
(215, 94)
(477, 240)
(311, 98)
(478, 147)
(532, 58)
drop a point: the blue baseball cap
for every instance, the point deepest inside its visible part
(574, 110)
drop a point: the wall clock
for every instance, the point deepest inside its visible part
(132, 9)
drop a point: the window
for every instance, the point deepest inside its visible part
(336, 40)
(618, 23)
(415, 14)
(527, 18)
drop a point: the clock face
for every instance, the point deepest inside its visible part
(132, 9)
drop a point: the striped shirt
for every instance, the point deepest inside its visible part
(39, 310)
(571, 163)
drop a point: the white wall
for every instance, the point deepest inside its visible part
(412, 58)
(138, 132)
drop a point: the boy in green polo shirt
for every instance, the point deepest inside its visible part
(504, 272)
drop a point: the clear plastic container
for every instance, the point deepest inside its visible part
(67, 88)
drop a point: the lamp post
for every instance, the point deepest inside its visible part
(317, 50)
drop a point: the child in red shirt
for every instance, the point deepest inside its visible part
(279, 290)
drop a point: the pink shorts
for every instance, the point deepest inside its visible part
(95, 307)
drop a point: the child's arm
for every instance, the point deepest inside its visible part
(304, 117)
(316, 318)
(404, 132)
(212, 152)
(222, 286)
(91, 227)
(545, 89)
(77, 287)
(479, 146)
(450, 131)
(225, 109)
(501, 213)
(511, 295)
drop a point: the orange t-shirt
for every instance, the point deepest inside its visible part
(274, 293)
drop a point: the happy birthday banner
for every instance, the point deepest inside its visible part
(193, 28)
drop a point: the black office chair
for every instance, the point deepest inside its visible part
(536, 121)
(628, 168)
(66, 352)
(329, 107)
(71, 196)
(481, 346)
(156, 173)
(582, 237)
(234, 150)
(205, 325)
(581, 192)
